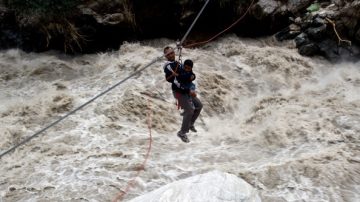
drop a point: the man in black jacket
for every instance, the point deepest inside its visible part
(186, 98)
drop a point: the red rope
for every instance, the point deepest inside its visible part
(212, 38)
(131, 183)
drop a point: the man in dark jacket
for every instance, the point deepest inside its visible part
(186, 98)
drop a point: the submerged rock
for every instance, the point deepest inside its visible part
(213, 186)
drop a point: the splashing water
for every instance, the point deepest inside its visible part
(287, 124)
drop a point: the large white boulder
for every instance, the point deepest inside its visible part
(213, 186)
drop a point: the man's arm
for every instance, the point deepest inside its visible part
(170, 71)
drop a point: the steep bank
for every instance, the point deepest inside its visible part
(98, 25)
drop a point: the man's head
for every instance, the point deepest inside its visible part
(169, 53)
(188, 65)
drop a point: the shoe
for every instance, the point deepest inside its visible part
(192, 128)
(183, 137)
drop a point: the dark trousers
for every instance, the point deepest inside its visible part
(192, 107)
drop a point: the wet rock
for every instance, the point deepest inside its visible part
(12, 188)
(266, 8)
(301, 39)
(339, 3)
(331, 50)
(318, 21)
(309, 49)
(298, 20)
(288, 33)
(274, 15)
(294, 27)
(316, 33)
(276, 8)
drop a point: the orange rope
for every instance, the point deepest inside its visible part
(131, 183)
(232, 25)
(337, 34)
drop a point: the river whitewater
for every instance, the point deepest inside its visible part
(288, 125)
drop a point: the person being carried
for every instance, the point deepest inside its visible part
(187, 76)
(181, 87)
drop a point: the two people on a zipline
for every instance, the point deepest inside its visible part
(181, 76)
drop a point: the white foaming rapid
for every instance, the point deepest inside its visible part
(286, 124)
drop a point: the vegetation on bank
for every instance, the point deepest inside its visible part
(62, 24)
(44, 8)
(50, 17)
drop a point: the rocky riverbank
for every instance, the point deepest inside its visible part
(327, 28)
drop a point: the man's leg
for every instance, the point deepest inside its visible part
(186, 103)
(198, 107)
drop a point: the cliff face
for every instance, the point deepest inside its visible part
(98, 25)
